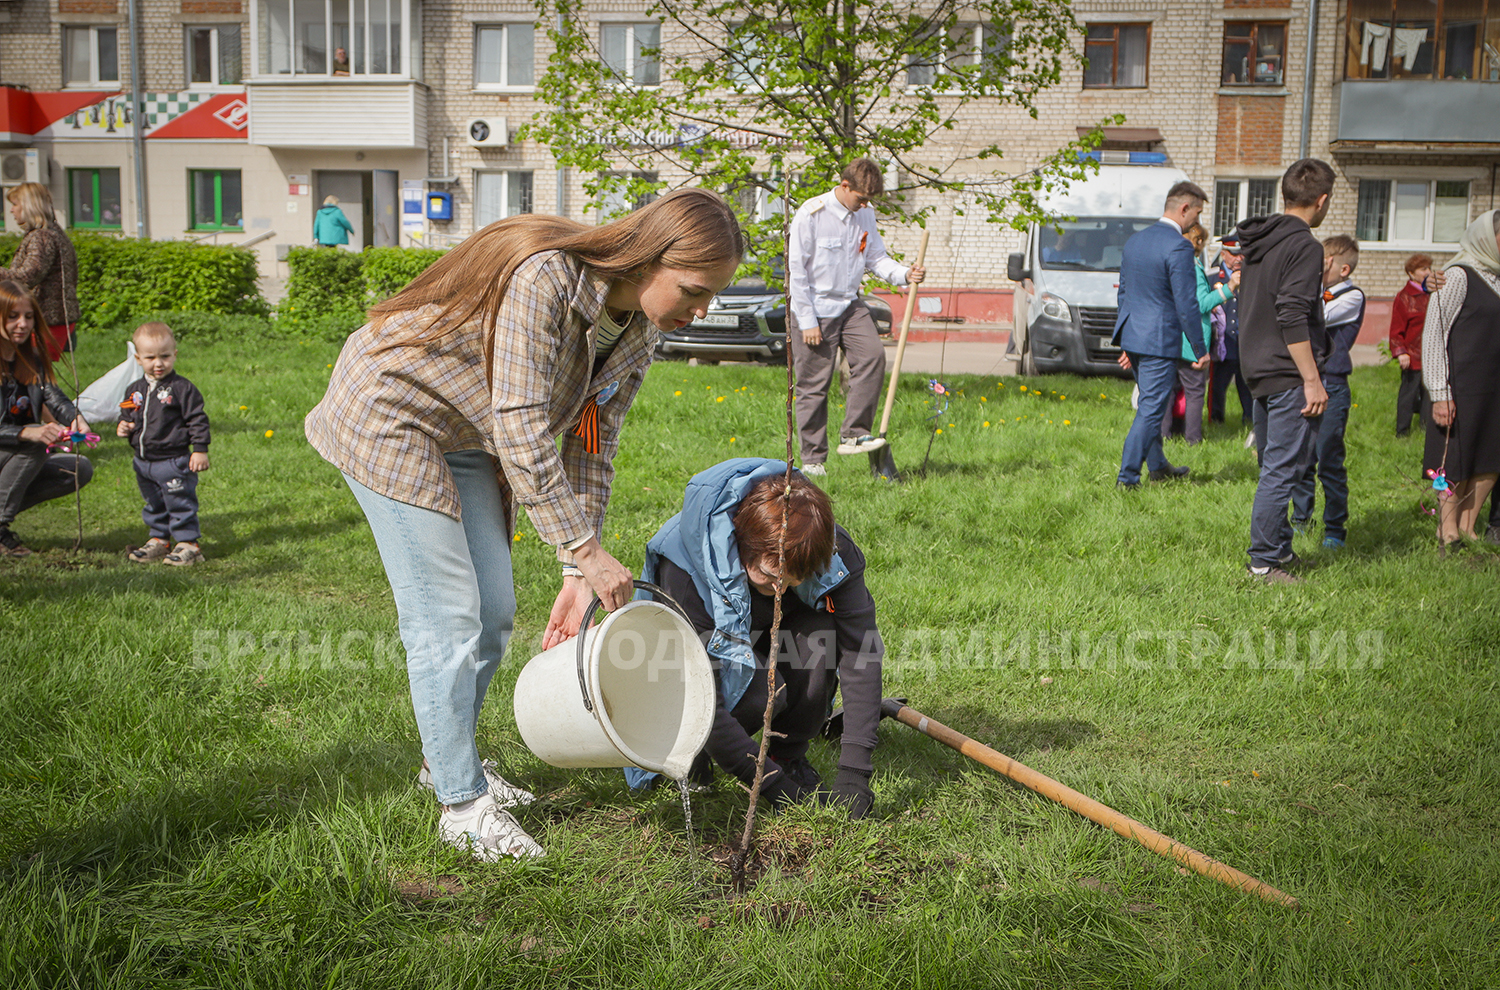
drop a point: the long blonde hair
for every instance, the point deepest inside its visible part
(35, 203)
(693, 229)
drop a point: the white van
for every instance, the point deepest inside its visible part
(1070, 270)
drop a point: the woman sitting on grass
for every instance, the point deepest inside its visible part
(448, 407)
(29, 472)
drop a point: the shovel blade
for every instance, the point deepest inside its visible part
(883, 465)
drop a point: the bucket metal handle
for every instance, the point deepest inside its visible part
(583, 680)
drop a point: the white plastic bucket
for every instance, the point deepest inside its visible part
(652, 689)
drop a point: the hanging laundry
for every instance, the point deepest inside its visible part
(1376, 37)
(1406, 44)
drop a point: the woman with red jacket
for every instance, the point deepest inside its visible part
(1408, 313)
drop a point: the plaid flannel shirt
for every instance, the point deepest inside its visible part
(389, 416)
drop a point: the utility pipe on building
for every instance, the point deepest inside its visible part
(1309, 72)
(137, 124)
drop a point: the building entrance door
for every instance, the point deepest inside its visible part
(355, 198)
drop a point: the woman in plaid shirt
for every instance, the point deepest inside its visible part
(445, 411)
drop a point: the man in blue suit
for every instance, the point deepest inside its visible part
(1158, 306)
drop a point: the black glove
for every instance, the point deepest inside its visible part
(852, 788)
(780, 789)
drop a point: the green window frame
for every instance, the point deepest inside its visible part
(94, 198)
(215, 200)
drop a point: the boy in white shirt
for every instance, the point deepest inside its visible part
(833, 243)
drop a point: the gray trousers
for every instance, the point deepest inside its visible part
(1194, 382)
(29, 475)
(170, 491)
(854, 332)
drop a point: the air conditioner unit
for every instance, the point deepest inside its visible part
(23, 165)
(488, 132)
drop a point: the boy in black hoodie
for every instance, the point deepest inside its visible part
(1283, 346)
(163, 417)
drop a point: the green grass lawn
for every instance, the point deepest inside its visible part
(208, 778)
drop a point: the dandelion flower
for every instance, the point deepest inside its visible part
(732, 439)
(719, 399)
(986, 422)
(270, 433)
(1103, 396)
(1023, 388)
(1062, 398)
(950, 426)
(517, 537)
(330, 366)
(1067, 422)
(243, 408)
(678, 392)
(940, 429)
(983, 399)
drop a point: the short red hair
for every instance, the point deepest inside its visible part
(809, 527)
(1417, 261)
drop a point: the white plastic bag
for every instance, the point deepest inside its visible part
(100, 402)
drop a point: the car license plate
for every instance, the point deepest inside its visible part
(719, 320)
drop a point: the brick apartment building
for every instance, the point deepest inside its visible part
(257, 109)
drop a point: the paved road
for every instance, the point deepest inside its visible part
(961, 357)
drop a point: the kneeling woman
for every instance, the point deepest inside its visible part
(718, 559)
(29, 472)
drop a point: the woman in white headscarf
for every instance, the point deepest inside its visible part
(1461, 369)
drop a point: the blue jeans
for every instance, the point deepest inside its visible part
(1157, 378)
(1328, 465)
(1286, 441)
(456, 606)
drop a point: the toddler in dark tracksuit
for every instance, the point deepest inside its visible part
(163, 417)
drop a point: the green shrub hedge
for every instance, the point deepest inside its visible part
(329, 291)
(119, 278)
(198, 326)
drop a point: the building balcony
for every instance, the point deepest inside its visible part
(1406, 114)
(318, 113)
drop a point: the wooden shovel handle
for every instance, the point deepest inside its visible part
(911, 304)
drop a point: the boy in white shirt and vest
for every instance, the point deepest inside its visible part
(833, 243)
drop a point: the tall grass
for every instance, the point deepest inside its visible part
(208, 778)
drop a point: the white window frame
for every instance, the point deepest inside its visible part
(93, 81)
(506, 176)
(504, 87)
(410, 34)
(187, 56)
(1242, 203)
(608, 209)
(767, 203)
(628, 82)
(1429, 210)
(942, 68)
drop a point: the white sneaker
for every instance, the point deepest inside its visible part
(860, 445)
(488, 832)
(506, 794)
(814, 470)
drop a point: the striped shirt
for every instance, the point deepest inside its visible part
(389, 416)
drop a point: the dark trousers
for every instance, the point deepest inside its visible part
(171, 494)
(1411, 400)
(1194, 382)
(1327, 465)
(29, 476)
(1224, 372)
(805, 682)
(1285, 443)
(855, 332)
(1156, 377)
